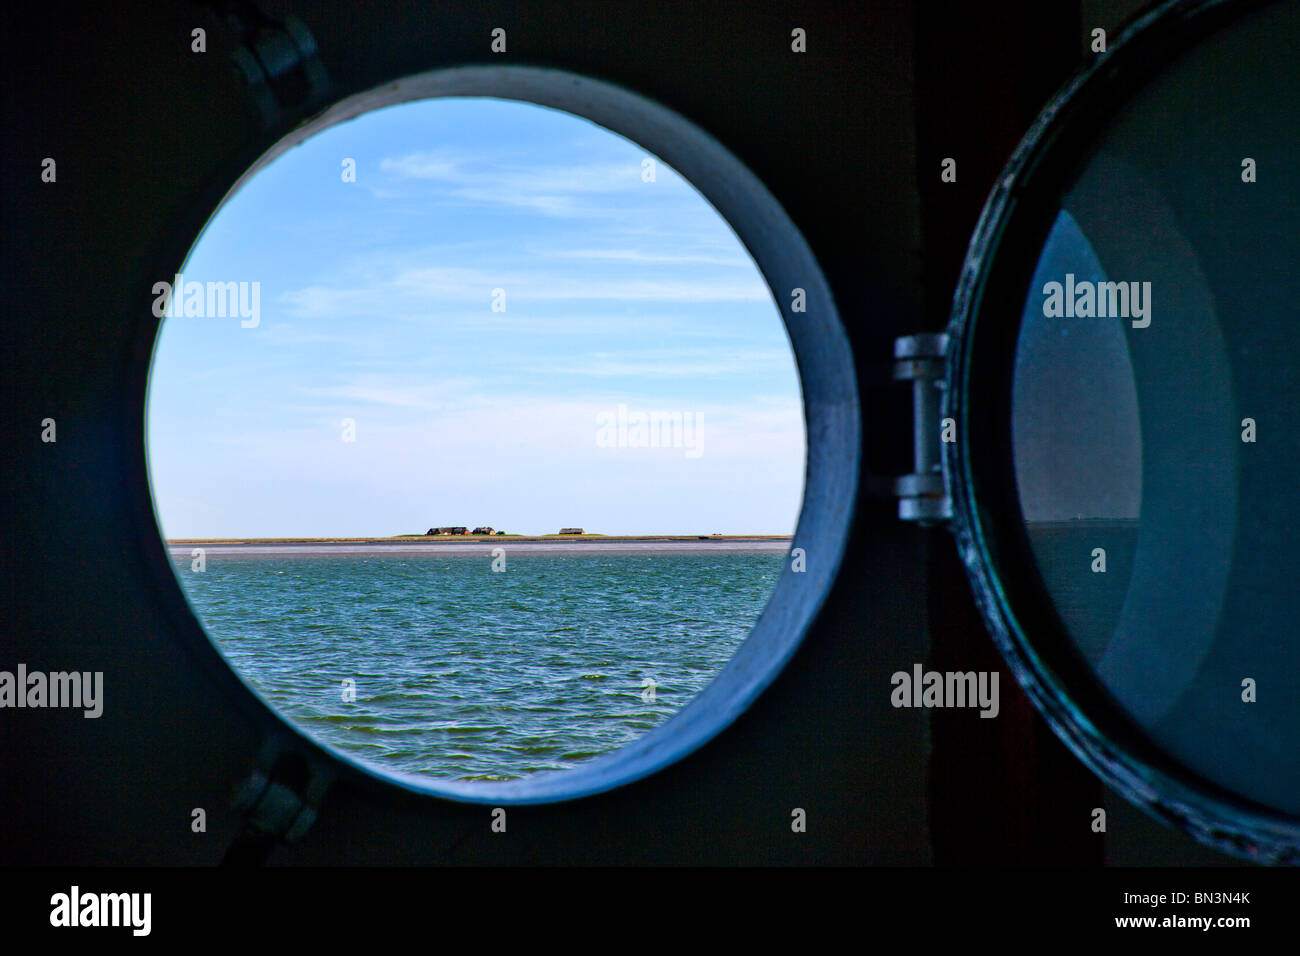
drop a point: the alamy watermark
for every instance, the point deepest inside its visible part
(56, 689)
(923, 688)
(76, 908)
(628, 428)
(1085, 300)
(217, 300)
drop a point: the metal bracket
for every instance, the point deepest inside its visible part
(280, 797)
(278, 60)
(923, 495)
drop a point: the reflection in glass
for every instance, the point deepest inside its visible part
(1164, 535)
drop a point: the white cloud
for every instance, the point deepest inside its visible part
(381, 390)
(551, 190)
(506, 436)
(436, 164)
(443, 285)
(316, 301)
(478, 173)
(672, 364)
(534, 285)
(641, 256)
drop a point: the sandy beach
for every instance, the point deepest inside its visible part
(478, 544)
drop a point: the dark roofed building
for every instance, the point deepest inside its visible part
(572, 531)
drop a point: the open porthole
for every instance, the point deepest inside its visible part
(483, 344)
(1123, 377)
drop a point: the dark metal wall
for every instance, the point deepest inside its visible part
(848, 136)
(1004, 790)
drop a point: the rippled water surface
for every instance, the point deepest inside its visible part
(464, 672)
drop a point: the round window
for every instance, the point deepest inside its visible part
(476, 434)
(1123, 374)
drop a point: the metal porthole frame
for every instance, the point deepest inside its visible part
(986, 519)
(827, 379)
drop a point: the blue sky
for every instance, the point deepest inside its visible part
(376, 305)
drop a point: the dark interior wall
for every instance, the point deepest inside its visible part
(146, 135)
(1005, 790)
(848, 137)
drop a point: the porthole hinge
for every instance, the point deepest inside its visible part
(923, 495)
(278, 60)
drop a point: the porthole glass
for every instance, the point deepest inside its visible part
(1147, 248)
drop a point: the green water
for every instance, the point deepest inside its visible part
(463, 672)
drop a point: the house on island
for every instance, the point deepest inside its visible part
(458, 530)
(483, 530)
(572, 531)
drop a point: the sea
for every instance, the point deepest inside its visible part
(423, 659)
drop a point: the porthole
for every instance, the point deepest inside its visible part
(804, 566)
(1123, 375)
